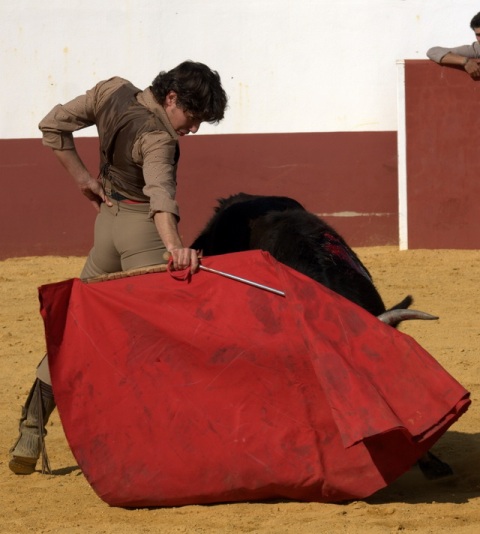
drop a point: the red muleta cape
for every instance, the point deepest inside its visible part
(189, 392)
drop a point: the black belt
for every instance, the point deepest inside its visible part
(115, 195)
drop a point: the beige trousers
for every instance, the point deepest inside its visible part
(125, 238)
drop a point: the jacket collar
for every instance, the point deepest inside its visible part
(146, 98)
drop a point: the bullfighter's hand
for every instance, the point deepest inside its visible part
(183, 258)
(93, 190)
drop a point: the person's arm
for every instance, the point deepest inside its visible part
(462, 56)
(155, 152)
(182, 257)
(87, 184)
(57, 129)
(470, 65)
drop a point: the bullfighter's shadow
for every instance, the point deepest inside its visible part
(462, 452)
(67, 470)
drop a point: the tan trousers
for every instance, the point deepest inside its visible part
(125, 238)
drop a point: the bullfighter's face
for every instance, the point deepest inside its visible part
(181, 120)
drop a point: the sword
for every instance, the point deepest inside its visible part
(167, 256)
(244, 280)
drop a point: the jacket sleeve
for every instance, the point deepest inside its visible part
(437, 53)
(59, 124)
(156, 153)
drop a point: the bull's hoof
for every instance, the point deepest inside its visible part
(433, 468)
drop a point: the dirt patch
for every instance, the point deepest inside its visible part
(445, 283)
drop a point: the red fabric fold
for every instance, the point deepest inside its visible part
(173, 392)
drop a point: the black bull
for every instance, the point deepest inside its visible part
(301, 240)
(304, 242)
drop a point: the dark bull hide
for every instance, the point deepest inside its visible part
(301, 240)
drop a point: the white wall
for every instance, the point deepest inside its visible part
(287, 65)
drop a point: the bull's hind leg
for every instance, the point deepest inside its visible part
(432, 467)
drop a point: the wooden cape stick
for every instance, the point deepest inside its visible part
(164, 267)
(244, 280)
(124, 274)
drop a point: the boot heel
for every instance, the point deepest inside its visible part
(22, 466)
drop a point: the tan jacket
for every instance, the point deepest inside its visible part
(155, 151)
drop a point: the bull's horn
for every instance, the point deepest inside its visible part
(393, 317)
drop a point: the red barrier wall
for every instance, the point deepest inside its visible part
(43, 212)
(350, 179)
(442, 125)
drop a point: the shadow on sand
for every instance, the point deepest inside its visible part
(66, 470)
(462, 452)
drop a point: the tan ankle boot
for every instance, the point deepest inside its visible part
(30, 443)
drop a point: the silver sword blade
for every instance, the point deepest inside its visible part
(244, 280)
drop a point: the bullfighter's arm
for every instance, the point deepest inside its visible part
(87, 184)
(166, 224)
(63, 120)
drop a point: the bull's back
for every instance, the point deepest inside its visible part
(295, 237)
(229, 229)
(309, 245)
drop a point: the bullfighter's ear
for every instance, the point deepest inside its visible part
(171, 99)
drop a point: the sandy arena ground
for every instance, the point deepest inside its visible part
(445, 283)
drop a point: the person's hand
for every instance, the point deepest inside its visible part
(93, 190)
(183, 258)
(472, 66)
(87, 184)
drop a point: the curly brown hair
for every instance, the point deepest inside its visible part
(198, 88)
